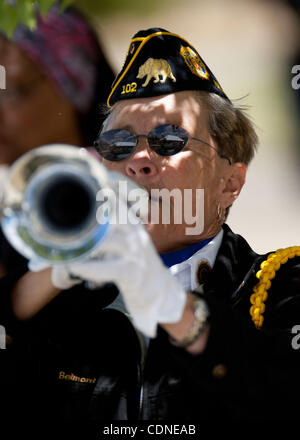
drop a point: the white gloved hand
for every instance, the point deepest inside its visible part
(128, 258)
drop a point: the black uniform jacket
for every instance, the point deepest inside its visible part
(80, 360)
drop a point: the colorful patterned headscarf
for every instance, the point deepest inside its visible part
(66, 49)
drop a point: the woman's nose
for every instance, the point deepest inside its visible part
(140, 164)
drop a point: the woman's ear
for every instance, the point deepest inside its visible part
(234, 180)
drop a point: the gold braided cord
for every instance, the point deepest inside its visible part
(266, 273)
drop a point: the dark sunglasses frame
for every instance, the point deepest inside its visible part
(156, 143)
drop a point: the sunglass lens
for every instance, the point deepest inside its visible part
(167, 139)
(115, 145)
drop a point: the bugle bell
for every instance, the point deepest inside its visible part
(48, 203)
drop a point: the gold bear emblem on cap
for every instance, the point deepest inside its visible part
(153, 68)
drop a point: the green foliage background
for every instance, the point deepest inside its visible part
(13, 12)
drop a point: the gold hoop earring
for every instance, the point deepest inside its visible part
(219, 212)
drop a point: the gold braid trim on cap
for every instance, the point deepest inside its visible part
(265, 275)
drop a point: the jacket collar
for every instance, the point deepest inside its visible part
(235, 268)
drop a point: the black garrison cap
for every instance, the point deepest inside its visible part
(159, 62)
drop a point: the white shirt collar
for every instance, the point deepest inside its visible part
(186, 271)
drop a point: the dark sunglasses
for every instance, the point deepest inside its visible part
(165, 140)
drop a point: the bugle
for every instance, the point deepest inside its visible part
(48, 203)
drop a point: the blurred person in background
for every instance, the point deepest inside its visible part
(57, 77)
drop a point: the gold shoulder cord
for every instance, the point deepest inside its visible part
(265, 275)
